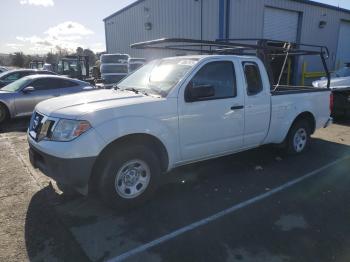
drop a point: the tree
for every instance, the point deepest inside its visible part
(80, 51)
(18, 59)
(51, 58)
(91, 55)
(62, 51)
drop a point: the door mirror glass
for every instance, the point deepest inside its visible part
(199, 92)
(28, 89)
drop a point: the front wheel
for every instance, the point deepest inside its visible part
(129, 176)
(298, 139)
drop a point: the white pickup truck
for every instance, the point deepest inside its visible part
(169, 113)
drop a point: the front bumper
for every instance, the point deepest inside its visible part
(74, 172)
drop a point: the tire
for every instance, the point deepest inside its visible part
(130, 175)
(4, 114)
(298, 139)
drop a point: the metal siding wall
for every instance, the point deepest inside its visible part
(247, 16)
(246, 19)
(169, 18)
(181, 18)
(210, 19)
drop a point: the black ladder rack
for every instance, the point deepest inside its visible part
(262, 48)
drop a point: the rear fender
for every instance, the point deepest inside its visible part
(283, 117)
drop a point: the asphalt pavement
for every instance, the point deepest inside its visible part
(228, 209)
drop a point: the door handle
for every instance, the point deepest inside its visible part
(236, 107)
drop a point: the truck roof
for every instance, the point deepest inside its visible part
(201, 57)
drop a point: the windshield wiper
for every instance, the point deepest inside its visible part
(136, 91)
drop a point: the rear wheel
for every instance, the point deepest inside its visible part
(129, 176)
(298, 139)
(3, 113)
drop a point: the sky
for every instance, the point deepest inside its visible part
(40, 26)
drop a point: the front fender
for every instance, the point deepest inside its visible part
(166, 130)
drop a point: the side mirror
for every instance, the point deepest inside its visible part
(194, 93)
(28, 89)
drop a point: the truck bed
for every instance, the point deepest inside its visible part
(287, 90)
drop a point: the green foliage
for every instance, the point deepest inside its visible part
(52, 58)
(18, 59)
(79, 50)
(91, 55)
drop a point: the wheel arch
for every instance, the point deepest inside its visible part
(306, 115)
(138, 138)
(309, 117)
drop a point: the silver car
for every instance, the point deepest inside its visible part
(20, 97)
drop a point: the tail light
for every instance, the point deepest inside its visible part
(331, 102)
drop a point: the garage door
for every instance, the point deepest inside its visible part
(281, 24)
(343, 51)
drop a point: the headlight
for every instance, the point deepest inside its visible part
(67, 130)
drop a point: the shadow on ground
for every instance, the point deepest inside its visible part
(188, 194)
(47, 239)
(344, 121)
(15, 125)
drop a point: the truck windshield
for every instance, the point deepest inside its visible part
(159, 76)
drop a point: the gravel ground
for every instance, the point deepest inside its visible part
(30, 230)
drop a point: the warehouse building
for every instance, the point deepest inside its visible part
(300, 21)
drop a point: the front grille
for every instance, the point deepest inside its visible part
(36, 122)
(40, 127)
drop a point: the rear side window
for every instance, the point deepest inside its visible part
(13, 77)
(220, 75)
(62, 83)
(253, 78)
(51, 83)
(42, 84)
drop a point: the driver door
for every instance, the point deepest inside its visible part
(25, 102)
(214, 125)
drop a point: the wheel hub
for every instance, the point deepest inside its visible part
(132, 179)
(300, 139)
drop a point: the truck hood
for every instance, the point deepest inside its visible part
(73, 106)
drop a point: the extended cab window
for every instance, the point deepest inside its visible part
(253, 78)
(219, 75)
